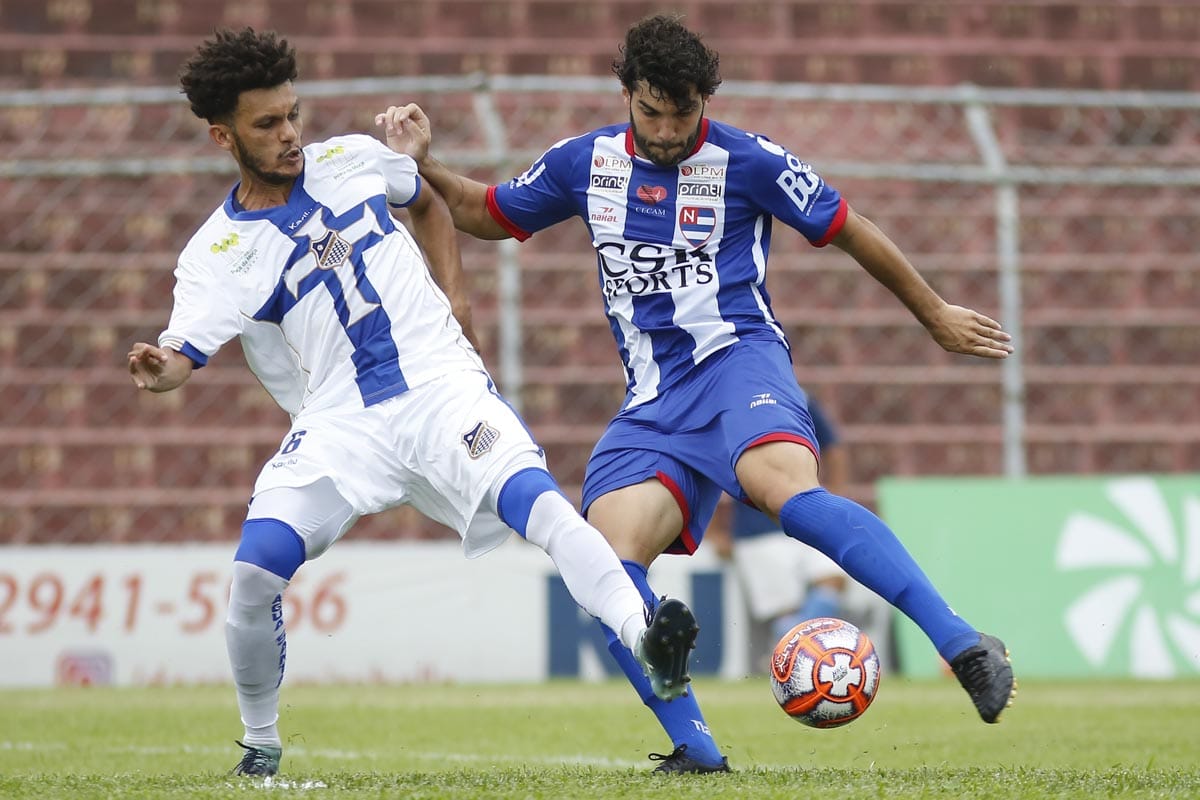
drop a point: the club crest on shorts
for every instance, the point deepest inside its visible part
(479, 440)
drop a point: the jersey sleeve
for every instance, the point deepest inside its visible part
(399, 173)
(795, 194)
(542, 196)
(203, 317)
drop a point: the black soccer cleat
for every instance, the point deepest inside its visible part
(259, 760)
(665, 646)
(679, 762)
(985, 672)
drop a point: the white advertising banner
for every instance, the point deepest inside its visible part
(386, 612)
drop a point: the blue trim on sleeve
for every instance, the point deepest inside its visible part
(416, 193)
(198, 358)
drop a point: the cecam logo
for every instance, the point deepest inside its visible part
(1146, 598)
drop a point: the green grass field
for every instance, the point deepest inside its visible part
(570, 740)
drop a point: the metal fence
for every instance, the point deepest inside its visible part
(1070, 216)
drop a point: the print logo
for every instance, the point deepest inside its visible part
(225, 244)
(609, 183)
(479, 440)
(1146, 599)
(697, 224)
(712, 190)
(763, 399)
(652, 195)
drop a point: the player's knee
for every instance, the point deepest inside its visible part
(271, 544)
(515, 501)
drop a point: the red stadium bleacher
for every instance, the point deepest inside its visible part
(1110, 279)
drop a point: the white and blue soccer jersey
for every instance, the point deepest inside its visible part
(331, 297)
(682, 250)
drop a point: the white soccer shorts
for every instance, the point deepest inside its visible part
(439, 447)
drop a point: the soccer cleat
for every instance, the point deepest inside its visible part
(664, 647)
(680, 762)
(986, 673)
(261, 760)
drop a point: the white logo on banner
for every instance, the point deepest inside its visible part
(1117, 611)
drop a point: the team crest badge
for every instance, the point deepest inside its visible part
(331, 250)
(479, 440)
(697, 223)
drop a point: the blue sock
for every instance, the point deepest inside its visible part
(869, 552)
(680, 718)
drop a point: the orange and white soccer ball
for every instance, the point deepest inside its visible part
(824, 672)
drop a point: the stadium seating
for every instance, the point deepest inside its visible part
(1107, 44)
(1110, 282)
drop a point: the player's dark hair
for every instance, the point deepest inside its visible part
(670, 58)
(231, 63)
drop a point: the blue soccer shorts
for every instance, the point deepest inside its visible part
(692, 434)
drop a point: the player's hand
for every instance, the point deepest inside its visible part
(407, 130)
(147, 364)
(961, 330)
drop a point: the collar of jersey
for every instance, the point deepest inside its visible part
(298, 200)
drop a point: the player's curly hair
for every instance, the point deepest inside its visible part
(670, 58)
(231, 63)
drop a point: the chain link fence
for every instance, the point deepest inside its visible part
(1072, 217)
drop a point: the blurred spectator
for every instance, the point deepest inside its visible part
(785, 585)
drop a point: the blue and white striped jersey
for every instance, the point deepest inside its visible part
(682, 250)
(331, 297)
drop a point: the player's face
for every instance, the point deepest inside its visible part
(662, 131)
(264, 135)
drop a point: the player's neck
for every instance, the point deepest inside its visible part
(254, 195)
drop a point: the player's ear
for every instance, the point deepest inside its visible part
(221, 135)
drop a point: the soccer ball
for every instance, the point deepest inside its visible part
(824, 672)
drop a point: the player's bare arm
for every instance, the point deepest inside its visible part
(955, 328)
(408, 131)
(158, 369)
(433, 229)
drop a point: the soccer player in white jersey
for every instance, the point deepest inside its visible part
(390, 403)
(680, 209)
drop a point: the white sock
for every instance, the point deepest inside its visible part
(588, 566)
(255, 638)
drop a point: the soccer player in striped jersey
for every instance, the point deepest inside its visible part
(339, 318)
(681, 209)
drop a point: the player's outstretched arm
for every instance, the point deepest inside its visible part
(408, 131)
(158, 369)
(956, 329)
